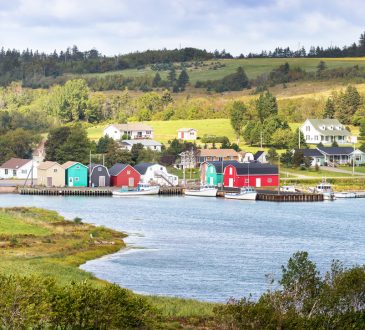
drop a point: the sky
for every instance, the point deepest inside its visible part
(121, 26)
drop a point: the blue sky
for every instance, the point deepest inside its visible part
(120, 26)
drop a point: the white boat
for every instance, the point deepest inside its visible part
(203, 191)
(345, 194)
(290, 189)
(325, 189)
(245, 193)
(142, 189)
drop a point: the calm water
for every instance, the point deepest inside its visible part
(211, 249)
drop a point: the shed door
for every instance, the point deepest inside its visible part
(49, 181)
(70, 182)
(101, 181)
(182, 135)
(211, 181)
(230, 182)
(258, 182)
(130, 182)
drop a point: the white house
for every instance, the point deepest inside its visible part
(325, 131)
(334, 156)
(17, 168)
(39, 153)
(187, 134)
(147, 144)
(132, 130)
(155, 173)
(260, 156)
(245, 157)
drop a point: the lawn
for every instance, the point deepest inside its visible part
(312, 173)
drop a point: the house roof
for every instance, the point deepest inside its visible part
(142, 167)
(71, 163)
(218, 153)
(186, 129)
(144, 142)
(255, 168)
(318, 123)
(15, 163)
(132, 127)
(258, 154)
(310, 152)
(336, 150)
(46, 165)
(93, 165)
(218, 165)
(117, 168)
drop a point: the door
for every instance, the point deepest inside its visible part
(182, 135)
(49, 181)
(71, 182)
(230, 182)
(101, 181)
(211, 181)
(258, 182)
(130, 182)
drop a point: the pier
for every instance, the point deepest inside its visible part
(289, 197)
(167, 190)
(66, 191)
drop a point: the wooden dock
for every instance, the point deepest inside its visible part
(289, 197)
(66, 191)
(167, 190)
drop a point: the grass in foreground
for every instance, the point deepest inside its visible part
(37, 242)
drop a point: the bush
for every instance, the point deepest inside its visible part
(77, 220)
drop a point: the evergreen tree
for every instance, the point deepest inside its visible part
(321, 67)
(183, 80)
(362, 129)
(238, 117)
(266, 106)
(172, 76)
(56, 138)
(116, 155)
(156, 80)
(287, 158)
(329, 109)
(350, 102)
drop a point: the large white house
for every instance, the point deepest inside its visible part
(17, 168)
(187, 134)
(157, 174)
(130, 130)
(147, 144)
(326, 131)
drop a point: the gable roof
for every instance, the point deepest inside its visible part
(218, 165)
(186, 129)
(336, 150)
(318, 123)
(218, 153)
(258, 154)
(46, 165)
(15, 163)
(310, 152)
(255, 168)
(117, 168)
(144, 142)
(142, 167)
(132, 127)
(71, 163)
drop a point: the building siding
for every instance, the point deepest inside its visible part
(78, 175)
(123, 178)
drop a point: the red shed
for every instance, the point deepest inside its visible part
(124, 175)
(251, 174)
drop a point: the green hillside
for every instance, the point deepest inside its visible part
(253, 67)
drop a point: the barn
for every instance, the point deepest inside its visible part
(251, 174)
(98, 175)
(123, 175)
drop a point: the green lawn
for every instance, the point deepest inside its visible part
(253, 67)
(312, 173)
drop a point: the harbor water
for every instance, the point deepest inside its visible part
(211, 249)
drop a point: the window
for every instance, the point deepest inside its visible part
(231, 171)
(78, 167)
(55, 170)
(155, 147)
(269, 180)
(246, 180)
(99, 169)
(128, 172)
(211, 170)
(148, 132)
(316, 137)
(6, 171)
(77, 179)
(14, 172)
(24, 171)
(308, 128)
(307, 137)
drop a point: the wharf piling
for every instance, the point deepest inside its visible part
(66, 191)
(167, 190)
(285, 197)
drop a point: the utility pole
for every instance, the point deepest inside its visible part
(261, 139)
(353, 161)
(299, 137)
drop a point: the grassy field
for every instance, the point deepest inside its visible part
(40, 242)
(253, 67)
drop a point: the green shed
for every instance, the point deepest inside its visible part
(76, 174)
(211, 172)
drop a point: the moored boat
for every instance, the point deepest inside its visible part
(290, 189)
(245, 193)
(142, 189)
(325, 189)
(203, 191)
(345, 194)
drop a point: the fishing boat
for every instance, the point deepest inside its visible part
(289, 189)
(142, 189)
(345, 194)
(203, 191)
(325, 189)
(245, 193)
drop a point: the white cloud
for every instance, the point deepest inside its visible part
(118, 26)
